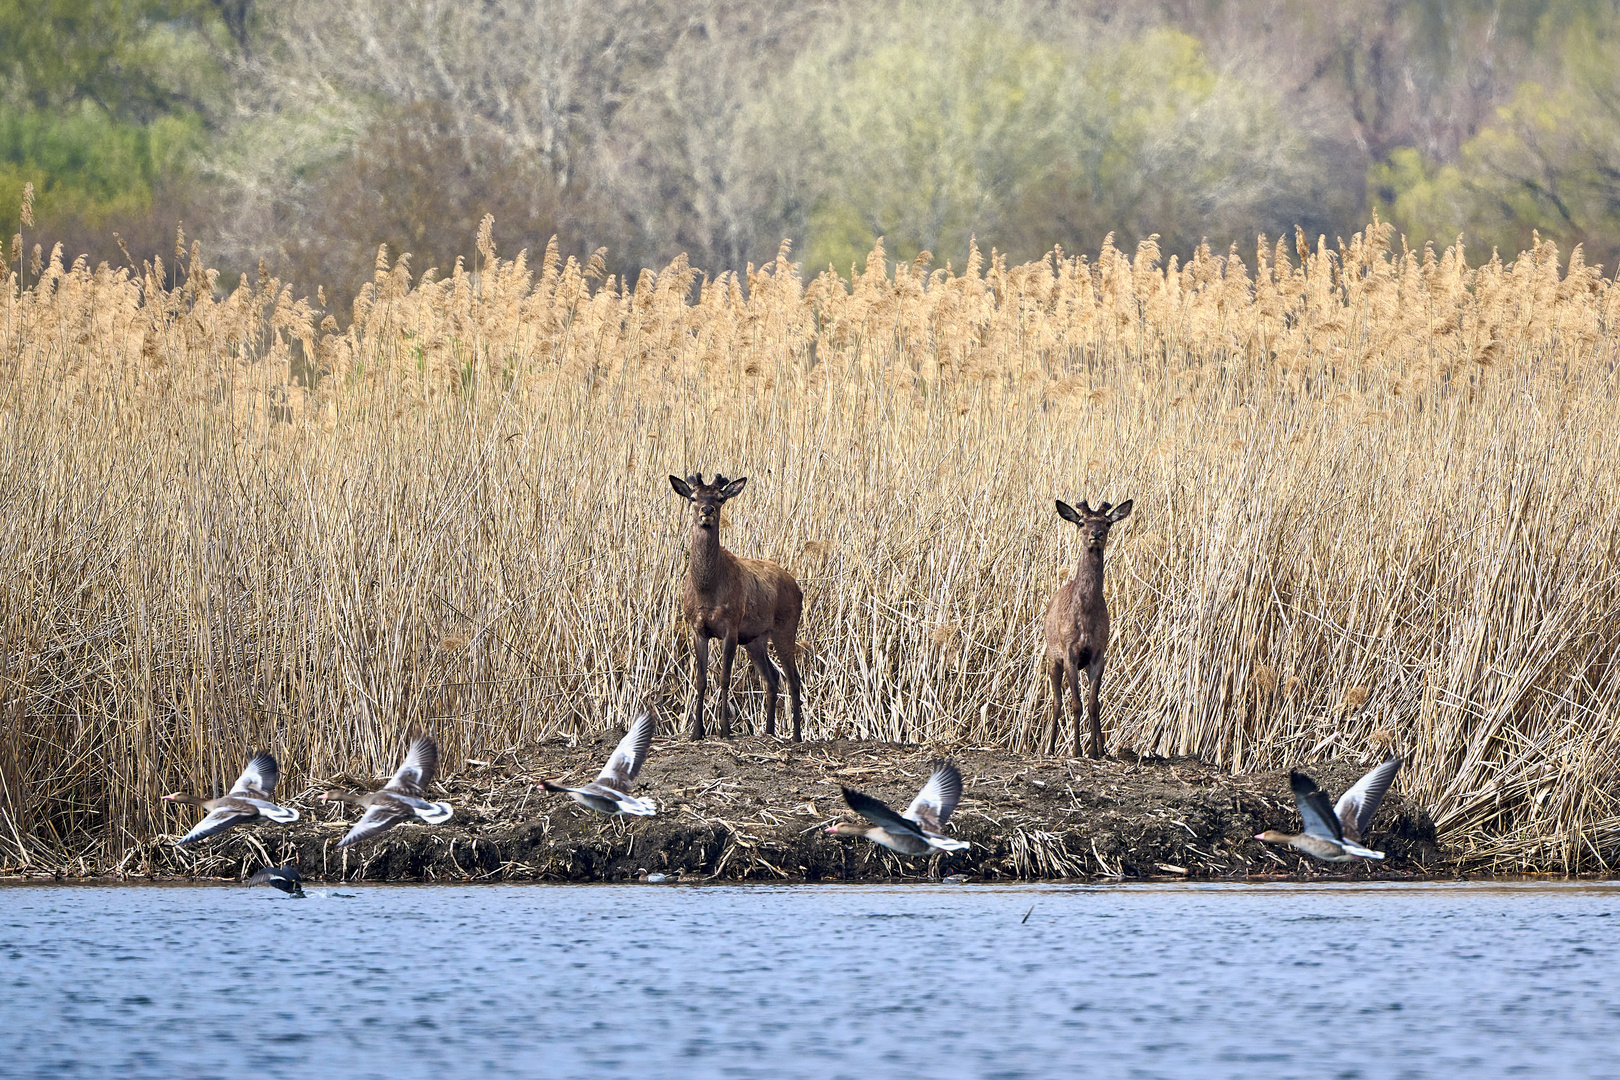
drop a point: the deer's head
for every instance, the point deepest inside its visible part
(707, 498)
(1094, 524)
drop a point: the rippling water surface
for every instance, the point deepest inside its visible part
(812, 981)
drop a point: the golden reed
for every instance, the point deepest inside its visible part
(1375, 509)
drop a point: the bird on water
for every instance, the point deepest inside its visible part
(1334, 833)
(920, 829)
(248, 800)
(401, 799)
(285, 878)
(609, 793)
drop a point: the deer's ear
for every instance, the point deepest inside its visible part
(682, 488)
(1122, 511)
(1067, 512)
(733, 489)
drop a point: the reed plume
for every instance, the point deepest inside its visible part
(1376, 512)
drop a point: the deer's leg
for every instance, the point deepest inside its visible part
(773, 678)
(784, 649)
(1073, 667)
(1054, 671)
(728, 652)
(700, 678)
(1093, 709)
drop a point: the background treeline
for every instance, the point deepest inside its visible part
(307, 133)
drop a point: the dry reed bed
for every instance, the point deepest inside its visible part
(1376, 509)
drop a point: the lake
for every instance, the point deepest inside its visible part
(1200, 981)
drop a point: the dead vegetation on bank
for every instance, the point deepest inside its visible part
(1376, 510)
(756, 809)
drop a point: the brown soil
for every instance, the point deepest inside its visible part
(756, 808)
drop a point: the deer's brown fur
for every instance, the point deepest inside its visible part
(1077, 624)
(747, 602)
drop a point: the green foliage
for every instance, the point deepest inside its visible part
(1549, 163)
(1170, 145)
(924, 129)
(929, 126)
(103, 107)
(307, 134)
(136, 59)
(86, 165)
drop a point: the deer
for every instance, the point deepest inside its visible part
(1077, 623)
(747, 602)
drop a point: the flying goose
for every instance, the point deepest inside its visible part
(1333, 834)
(401, 799)
(285, 878)
(248, 799)
(918, 830)
(609, 792)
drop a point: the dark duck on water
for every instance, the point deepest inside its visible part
(285, 878)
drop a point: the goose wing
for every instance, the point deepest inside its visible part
(282, 877)
(380, 816)
(626, 804)
(281, 815)
(933, 805)
(421, 762)
(1356, 807)
(1314, 808)
(879, 814)
(434, 813)
(226, 813)
(260, 775)
(627, 757)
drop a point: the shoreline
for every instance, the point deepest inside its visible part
(756, 809)
(1328, 877)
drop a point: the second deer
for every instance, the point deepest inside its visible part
(747, 602)
(1077, 623)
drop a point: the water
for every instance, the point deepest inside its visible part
(812, 981)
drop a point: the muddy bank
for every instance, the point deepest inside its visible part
(756, 809)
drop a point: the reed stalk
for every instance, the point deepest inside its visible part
(1376, 511)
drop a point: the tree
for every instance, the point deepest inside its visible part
(136, 60)
(102, 108)
(685, 167)
(1550, 162)
(415, 184)
(932, 125)
(510, 96)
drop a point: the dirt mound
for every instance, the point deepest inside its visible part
(756, 808)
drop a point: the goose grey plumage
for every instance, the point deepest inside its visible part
(609, 793)
(248, 800)
(920, 829)
(1334, 833)
(401, 799)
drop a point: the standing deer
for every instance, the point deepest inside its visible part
(1077, 623)
(746, 602)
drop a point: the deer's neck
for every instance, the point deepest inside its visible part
(707, 562)
(1088, 577)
